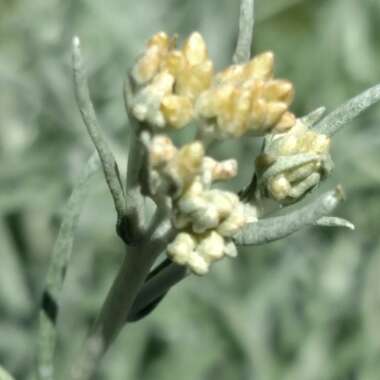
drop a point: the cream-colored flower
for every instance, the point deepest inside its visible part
(190, 72)
(289, 184)
(180, 249)
(246, 99)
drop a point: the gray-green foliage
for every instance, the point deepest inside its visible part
(301, 308)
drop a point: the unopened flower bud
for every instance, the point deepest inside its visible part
(205, 219)
(161, 150)
(292, 181)
(177, 110)
(211, 246)
(230, 249)
(180, 249)
(235, 221)
(198, 264)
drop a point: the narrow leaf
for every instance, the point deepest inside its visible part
(333, 221)
(275, 228)
(60, 259)
(348, 111)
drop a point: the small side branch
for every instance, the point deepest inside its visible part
(87, 111)
(337, 119)
(270, 229)
(246, 23)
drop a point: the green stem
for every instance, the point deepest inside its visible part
(114, 312)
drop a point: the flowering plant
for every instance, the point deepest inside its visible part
(195, 222)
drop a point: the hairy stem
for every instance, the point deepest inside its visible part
(116, 307)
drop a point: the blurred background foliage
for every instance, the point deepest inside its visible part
(304, 308)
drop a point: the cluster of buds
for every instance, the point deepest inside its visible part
(293, 163)
(246, 99)
(167, 81)
(169, 89)
(206, 219)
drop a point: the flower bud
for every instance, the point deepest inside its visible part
(292, 181)
(198, 264)
(235, 221)
(180, 249)
(161, 150)
(211, 247)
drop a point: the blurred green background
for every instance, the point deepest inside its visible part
(304, 308)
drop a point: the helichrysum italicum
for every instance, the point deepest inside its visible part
(172, 87)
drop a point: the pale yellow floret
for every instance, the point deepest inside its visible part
(148, 64)
(233, 223)
(279, 187)
(161, 150)
(198, 264)
(177, 110)
(294, 182)
(211, 247)
(181, 248)
(195, 49)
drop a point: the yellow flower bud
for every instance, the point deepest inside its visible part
(235, 221)
(195, 49)
(211, 246)
(261, 66)
(181, 248)
(148, 64)
(198, 264)
(291, 183)
(177, 110)
(161, 150)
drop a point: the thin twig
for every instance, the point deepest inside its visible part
(270, 229)
(87, 111)
(246, 23)
(56, 273)
(348, 111)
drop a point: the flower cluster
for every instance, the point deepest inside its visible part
(246, 99)
(171, 88)
(205, 218)
(168, 81)
(310, 151)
